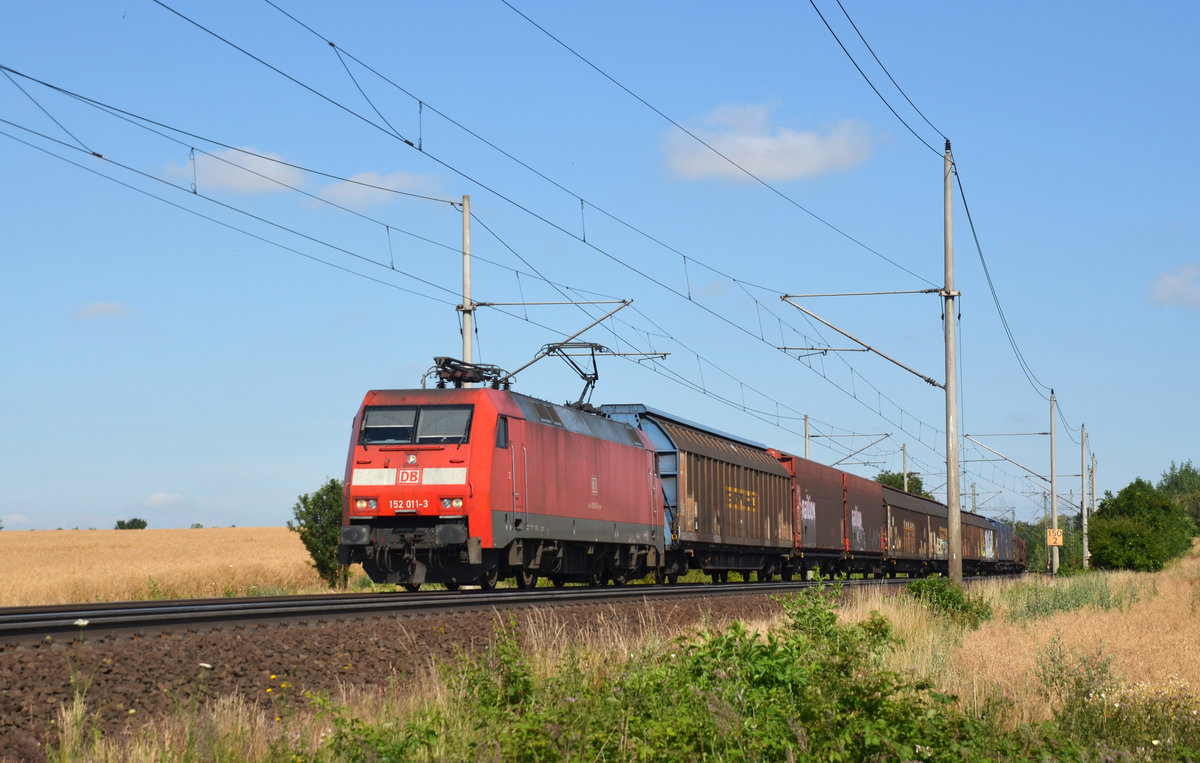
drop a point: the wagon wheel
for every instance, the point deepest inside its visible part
(765, 575)
(672, 578)
(558, 580)
(487, 581)
(596, 578)
(660, 576)
(620, 578)
(451, 585)
(412, 587)
(786, 574)
(526, 579)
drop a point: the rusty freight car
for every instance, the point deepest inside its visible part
(727, 501)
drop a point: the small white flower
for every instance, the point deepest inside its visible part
(1154, 742)
(81, 623)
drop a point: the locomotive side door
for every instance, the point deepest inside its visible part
(510, 480)
(518, 459)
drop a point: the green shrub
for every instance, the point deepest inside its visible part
(319, 524)
(811, 689)
(946, 599)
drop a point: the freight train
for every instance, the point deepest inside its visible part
(473, 485)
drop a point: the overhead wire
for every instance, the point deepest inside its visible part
(681, 294)
(209, 218)
(545, 220)
(487, 187)
(713, 149)
(899, 89)
(868, 79)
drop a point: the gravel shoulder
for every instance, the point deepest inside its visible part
(128, 681)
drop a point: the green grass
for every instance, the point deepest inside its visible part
(1043, 599)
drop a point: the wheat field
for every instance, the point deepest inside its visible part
(76, 566)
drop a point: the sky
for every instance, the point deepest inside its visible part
(224, 222)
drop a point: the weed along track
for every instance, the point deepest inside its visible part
(131, 662)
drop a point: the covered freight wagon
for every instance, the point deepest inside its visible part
(727, 501)
(839, 518)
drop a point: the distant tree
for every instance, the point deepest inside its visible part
(137, 523)
(1141, 528)
(1182, 483)
(896, 480)
(197, 526)
(319, 523)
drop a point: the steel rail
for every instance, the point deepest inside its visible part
(34, 624)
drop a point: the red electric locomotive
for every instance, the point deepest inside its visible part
(471, 485)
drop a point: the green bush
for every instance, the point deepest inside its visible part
(946, 599)
(812, 689)
(1142, 528)
(319, 523)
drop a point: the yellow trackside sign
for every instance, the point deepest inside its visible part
(1054, 537)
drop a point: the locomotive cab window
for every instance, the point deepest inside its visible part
(409, 425)
(502, 432)
(444, 424)
(387, 426)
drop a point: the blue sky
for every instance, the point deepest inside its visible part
(189, 322)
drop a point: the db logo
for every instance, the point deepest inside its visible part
(410, 476)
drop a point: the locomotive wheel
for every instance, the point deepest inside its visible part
(786, 574)
(412, 587)
(765, 575)
(487, 581)
(526, 579)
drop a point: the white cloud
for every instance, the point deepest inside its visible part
(232, 170)
(164, 501)
(358, 193)
(1177, 286)
(11, 521)
(744, 134)
(100, 310)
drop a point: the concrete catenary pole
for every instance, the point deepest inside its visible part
(1087, 555)
(904, 461)
(1053, 490)
(954, 517)
(468, 307)
(1083, 517)
(806, 436)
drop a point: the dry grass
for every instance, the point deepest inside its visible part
(1152, 643)
(75, 566)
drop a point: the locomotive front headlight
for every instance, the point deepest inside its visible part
(360, 504)
(456, 503)
(373, 504)
(445, 503)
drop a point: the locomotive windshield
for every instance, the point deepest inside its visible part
(415, 425)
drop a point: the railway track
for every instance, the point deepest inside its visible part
(24, 625)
